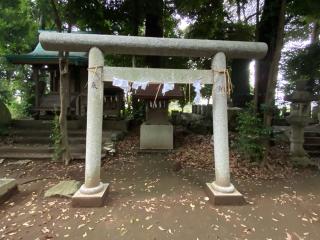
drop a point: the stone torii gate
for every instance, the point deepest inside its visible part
(93, 191)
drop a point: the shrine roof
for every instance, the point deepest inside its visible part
(41, 56)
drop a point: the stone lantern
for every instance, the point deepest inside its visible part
(299, 118)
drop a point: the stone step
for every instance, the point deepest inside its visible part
(37, 156)
(314, 154)
(311, 147)
(46, 140)
(311, 134)
(312, 140)
(46, 132)
(108, 124)
(21, 148)
(43, 124)
(35, 152)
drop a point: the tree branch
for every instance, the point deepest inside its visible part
(251, 16)
(57, 18)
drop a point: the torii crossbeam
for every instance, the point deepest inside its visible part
(93, 192)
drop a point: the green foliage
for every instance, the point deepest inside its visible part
(19, 110)
(17, 28)
(208, 15)
(16, 91)
(189, 95)
(4, 131)
(240, 31)
(251, 134)
(206, 91)
(137, 112)
(55, 138)
(307, 8)
(17, 35)
(134, 109)
(304, 65)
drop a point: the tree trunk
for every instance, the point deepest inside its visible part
(240, 80)
(64, 90)
(274, 67)
(64, 103)
(315, 32)
(257, 18)
(270, 30)
(238, 10)
(154, 27)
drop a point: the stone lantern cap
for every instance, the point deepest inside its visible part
(300, 97)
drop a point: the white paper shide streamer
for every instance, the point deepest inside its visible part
(143, 85)
(167, 87)
(121, 83)
(197, 89)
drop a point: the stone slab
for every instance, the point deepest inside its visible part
(228, 199)
(156, 136)
(93, 200)
(63, 189)
(7, 188)
(20, 162)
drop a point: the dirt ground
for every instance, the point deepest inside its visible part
(148, 200)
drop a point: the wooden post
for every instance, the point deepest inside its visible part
(35, 76)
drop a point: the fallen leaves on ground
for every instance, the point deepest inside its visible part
(125, 153)
(196, 151)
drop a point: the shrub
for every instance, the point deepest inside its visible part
(252, 135)
(55, 137)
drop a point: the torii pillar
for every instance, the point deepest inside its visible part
(221, 191)
(93, 192)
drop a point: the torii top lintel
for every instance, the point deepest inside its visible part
(129, 45)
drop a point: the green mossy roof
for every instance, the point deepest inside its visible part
(41, 56)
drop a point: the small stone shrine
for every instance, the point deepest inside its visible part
(157, 131)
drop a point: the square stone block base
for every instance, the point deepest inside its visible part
(90, 200)
(156, 136)
(218, 198)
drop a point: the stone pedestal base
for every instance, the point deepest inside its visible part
(219, 198)
(90, 200)
(156, 136)
(301, 161)
(7, 188)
